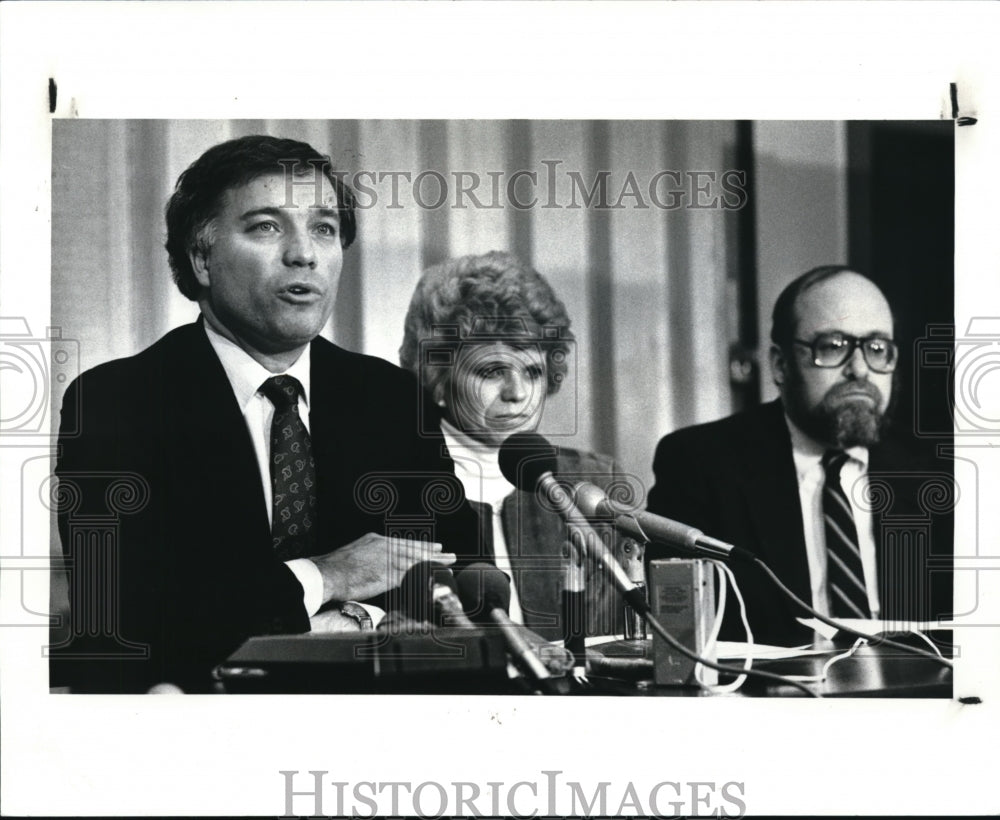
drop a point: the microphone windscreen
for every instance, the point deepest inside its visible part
(444, 577)
(591, 500)
(415, 596)
(482, 588)
(526, 457)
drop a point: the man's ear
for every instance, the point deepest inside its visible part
(198, 257)
(779, 365)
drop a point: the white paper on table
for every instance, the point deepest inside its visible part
(738, 650)
(870, 626)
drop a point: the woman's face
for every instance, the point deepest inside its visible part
(496, 390)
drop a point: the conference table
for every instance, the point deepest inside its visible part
(871, 671)
(475, 662)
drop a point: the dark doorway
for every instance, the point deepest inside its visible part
(901, 212)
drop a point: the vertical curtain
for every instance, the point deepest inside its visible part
(650, 289)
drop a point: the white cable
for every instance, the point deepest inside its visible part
(720, 610)
(824, 672)
(858, 643)
(927, 640)
(725, 575)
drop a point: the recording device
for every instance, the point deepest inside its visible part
(682, 599)
(644, 526)
(528, 462)
(574, 613)
(633, 562)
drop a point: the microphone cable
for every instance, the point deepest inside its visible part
(873, 640)
(677, 646)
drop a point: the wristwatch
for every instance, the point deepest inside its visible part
(353, 610)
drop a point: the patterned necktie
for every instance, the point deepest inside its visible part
(844, 574)
(293, 471)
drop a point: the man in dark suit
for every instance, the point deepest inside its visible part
(242, 475)
(851, 520)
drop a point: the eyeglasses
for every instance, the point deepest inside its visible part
(833, 349)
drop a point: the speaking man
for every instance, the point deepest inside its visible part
(811, 483)
(242, 475)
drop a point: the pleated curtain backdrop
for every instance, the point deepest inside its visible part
(651, 289)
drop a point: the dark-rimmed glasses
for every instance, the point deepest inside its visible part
(833, 349)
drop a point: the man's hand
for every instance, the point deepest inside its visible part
(372, 565)
(332, 620)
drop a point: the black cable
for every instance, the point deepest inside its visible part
(874, 640)
(732, 670)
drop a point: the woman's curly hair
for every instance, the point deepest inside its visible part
(483, 299)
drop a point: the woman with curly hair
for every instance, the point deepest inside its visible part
(488, 338)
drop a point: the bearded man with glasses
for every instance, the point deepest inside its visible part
(813, 483)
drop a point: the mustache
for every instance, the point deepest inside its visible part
(841, 391)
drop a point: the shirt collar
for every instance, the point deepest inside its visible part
(477, 466)
(245, 374)
(462, 445)
(808, 453)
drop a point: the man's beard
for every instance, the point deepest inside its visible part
(838, 420)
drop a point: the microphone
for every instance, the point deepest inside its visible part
(479, 584)
(484, 588)
(427, 596)
(413, 598)
(574, 613)
(645, 526)
(528, 462)
(447, 605)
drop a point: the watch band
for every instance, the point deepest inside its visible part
(354, 610)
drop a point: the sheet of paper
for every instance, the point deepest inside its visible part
(871, 626)
(740, 650)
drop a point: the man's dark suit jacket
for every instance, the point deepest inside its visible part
(162, 513)
(536, 536)
(735, 480)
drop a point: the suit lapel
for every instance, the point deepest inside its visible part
(875, 468)
(899, 479)
(534, 539)
(337, 447)
(766, 472)
(215, 461)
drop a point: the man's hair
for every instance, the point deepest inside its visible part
(484, 299)
(784, 318)
(199, 191)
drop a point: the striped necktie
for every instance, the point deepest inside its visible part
(293, 472)
(844, 574)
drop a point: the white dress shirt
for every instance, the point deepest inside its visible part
(477, 467)
(808, 454)
(246, 375)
